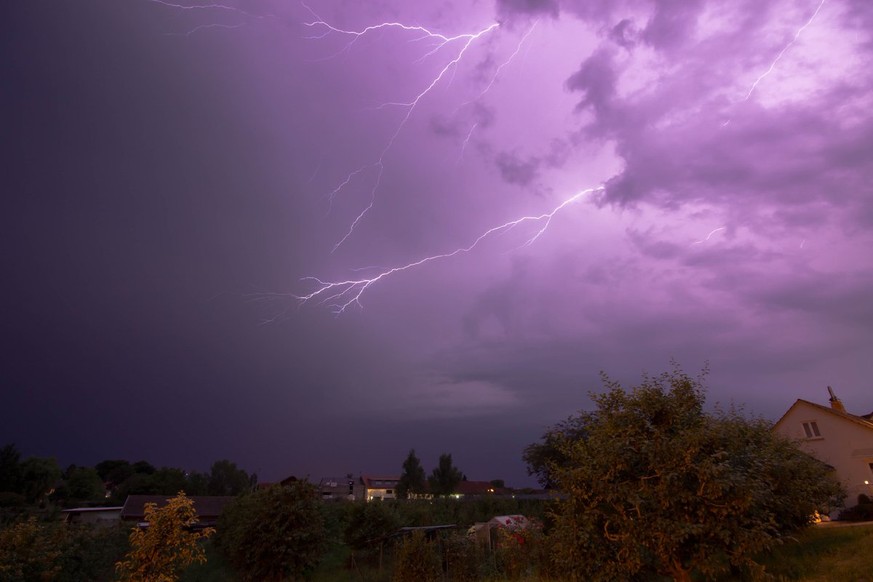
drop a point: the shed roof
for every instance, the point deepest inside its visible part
(207, 506)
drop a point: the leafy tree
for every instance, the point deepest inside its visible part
(658, 485)
(225, 478)
(84, 484)
(144, 467)
(413, 479)
(29, 551)
(163, 550)
(541, 456)
(198, 484)
(445, 477)
(10, 469)
(39, 476)
(275, 533)
(114, 472)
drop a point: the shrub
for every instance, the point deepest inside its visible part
(275, 533)
(417, 559)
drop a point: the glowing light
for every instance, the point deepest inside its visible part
(348, 292)
(709, 236)
(783, 51)
(441, 40)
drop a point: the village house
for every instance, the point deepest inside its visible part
(834, 436)
(380, 487)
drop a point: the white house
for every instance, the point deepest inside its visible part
(830, 434)
(380, 487)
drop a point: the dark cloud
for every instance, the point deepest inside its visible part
(518, 171)
(509, 8)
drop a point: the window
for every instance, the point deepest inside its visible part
(811, 429)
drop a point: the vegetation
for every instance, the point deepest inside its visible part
(654, 485)
(163, 550)
(274, 534)
(412, 479)
(445, 477)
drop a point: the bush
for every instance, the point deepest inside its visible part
(369, 524)
(275, 533)
(863, 511)
(417, 559)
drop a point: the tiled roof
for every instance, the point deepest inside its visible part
(380, 482)
(845, 415)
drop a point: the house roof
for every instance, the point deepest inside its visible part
(90, 509)
(380, 482)
(860, 420)
(207, 506)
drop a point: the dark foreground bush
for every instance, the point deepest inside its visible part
(274, 534)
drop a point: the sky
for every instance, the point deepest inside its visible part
(308, 237)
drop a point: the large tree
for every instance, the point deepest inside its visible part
(225, 478)
(445, 477)
(412, 480)
(653, 484)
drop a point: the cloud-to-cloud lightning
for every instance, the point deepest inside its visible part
(348, 292)
(783, 51)
(466, 40)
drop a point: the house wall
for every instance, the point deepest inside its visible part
(843, 444)
(378, 493)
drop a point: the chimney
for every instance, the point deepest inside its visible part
(836, 403)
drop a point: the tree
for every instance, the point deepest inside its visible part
(39, 476)
(445, 478)
(163, 550)
(656, 485)
(275, 533)
(10, 469)
(225, 478)
(539, 457)
(81, 485)
(113, 472)
(413, 479)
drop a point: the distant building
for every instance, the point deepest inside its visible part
(480, 489)
(832, 435)
(208, 507)
(379, 487)
(92, 514)
(335, 488)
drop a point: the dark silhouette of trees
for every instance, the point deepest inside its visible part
(445, 477)
(413, 480)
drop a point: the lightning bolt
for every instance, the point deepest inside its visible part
(222, 7)
(709, 236)
(503, 65)
(782, 52)
(342, 294)
(467, 141)
(441, 40)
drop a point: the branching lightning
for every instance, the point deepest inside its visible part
(466, 40)
(215, 25)
(341, 294)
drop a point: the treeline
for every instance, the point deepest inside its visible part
(40, 483)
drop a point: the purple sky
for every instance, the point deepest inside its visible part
(171, 176)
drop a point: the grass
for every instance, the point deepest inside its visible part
(820, 554)
(824, 553)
